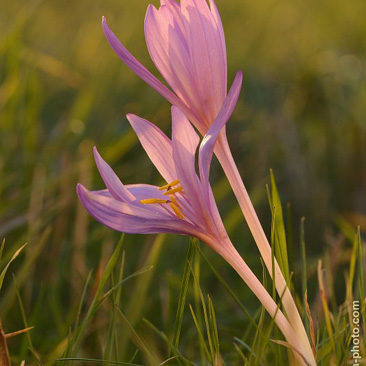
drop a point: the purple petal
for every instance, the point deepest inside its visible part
(157, 146)
(129, 218)
(207, 54)
(220, 30)
(136, 66)
(208, 142)
(169, 2)
(145, 191)
(167, 45)
(112, 182)
(185, 142)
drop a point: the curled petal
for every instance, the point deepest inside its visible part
(157, 146)
(208, 143)
(185, 142)
(112, 182)
(129, 218)
(137, 67)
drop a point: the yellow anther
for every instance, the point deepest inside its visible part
(169, 186)
(172, 191)
(176, 211)
(153, 201)
(172, 198)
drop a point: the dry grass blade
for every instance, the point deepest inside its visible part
(311, 323)
(4, 352)
(325, 305)
(2, 275)
(14, 334)
(285, 344)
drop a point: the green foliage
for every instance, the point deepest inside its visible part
(279, 232)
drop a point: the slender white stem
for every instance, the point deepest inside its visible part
(230, 254)
(223, 153)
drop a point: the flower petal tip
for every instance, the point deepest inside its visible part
(239, 77)
(98, 159)
(133, 119)
(105, 26)
(130, 116)
(150, 9)
(81, 190)
(175, 109)
(96, 152)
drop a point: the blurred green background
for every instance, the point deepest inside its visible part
(302, 112)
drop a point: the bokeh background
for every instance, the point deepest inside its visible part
(302, 112)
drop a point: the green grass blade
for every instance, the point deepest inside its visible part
(281, 243)
(82, 300)
(241, 355)
(23, 273)
(289, 238)
(200, 335)
(183, 292)
(79, 333)
(326, 308)
(229, 289)
(94, 360)
(353, 261)
(273, 244)
(112, 336)
(138, 341)
(137, 300)
(26, 325)
(173, 350)
(304, 281)
(205, 315)
(213, 323)
(2, 249)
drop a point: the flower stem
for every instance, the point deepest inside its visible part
(223, 153)
(231, 255)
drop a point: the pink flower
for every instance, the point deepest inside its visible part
(185, 205)
(186, 41)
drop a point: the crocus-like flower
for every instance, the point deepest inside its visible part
(187, 44)
(185, 205)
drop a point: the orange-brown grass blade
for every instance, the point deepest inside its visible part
(311, 323)
(4, 352)
(285, 344)
(19, 332)
(325, 306)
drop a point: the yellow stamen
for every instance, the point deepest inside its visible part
(169, 186)
(172, 191)
(153, 201)
(172, 198)
(176, 211)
